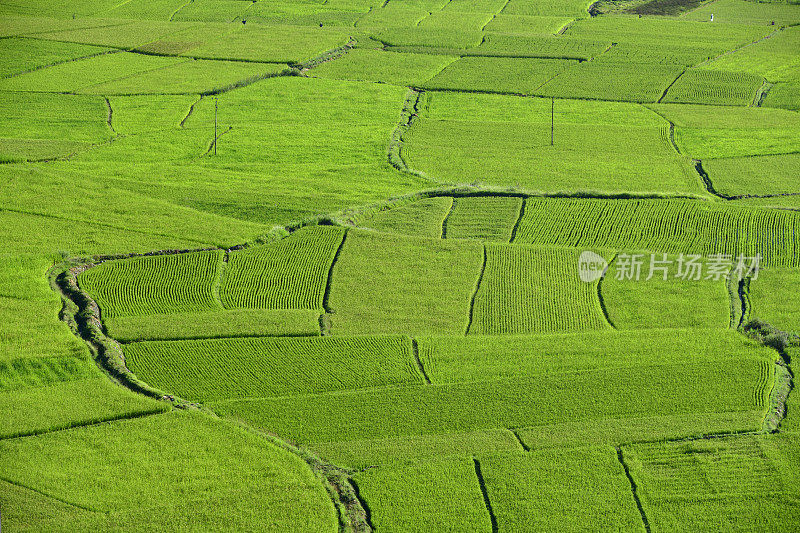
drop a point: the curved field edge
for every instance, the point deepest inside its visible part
(82, 314)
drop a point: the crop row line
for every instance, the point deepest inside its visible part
(50, 496)
(415, 352)
(477, 288)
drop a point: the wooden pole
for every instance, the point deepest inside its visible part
(552, 119)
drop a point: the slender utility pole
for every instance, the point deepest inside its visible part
(552, 119)
(216, 106)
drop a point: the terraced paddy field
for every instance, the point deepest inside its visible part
(404, 265)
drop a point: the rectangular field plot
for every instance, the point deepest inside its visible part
(220, 369)
(216, 324)
(667, 30)
(180, 470)
(421, 38)
(527, 24)
(478, 358)
(120, 34)
(506, 141)
(76, 75)
(774, 298)
(278, 44)
(456, 21)
(498, 75)
(663, 303)
(623, 82)
(485, 218)
(774, 58)
(18, 55)
(573, 8)
(539, 46)
(743, 12)
(385, 67)
(736, 483)
(155, 285)
(288, 274)
(422, 218)
(672, 226)
(392, 284)
(442, 495)
(757, 175)
(636, 391)
(200, 76)
(716, 87)
(532, 491)
(616, 431)
(703, 131)
(534, 290)
(364, 453)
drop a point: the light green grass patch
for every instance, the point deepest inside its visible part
(533, 491)
(422, 218)
(441, 495)
(735, 482)
(288, 274)
(18, 55)
(215, 324)
(178, 470)
(364, 453)
(664, 303)
(626, 82)
(221, 369)
(716, 87)
(769, 174)
(672, 226)
(525, 24)
(484, 218)
(534, 290)
(155, 285)
(497, 75)
(773, 296)
(76, 75)
(198, 76)
(389, 283)
(384, 67)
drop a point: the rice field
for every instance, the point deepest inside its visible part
(328, 257)
(155, 285)
(223, 369)
(533, 290)
(288, 274)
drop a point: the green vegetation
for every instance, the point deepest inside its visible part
(182, 470)
(745, 482)
(532, 491)
(288, 274)
(593, 395)
(506, 141)
(483, 218)
(354, 226)
(423, 218)
(498, 75)
(528, 289)
(215, 324)
(153, 285)
(665, 300)
(389, 284)
(675, 226)
(697, 86)
(208, 370)
(434, 496)
(774, 299)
